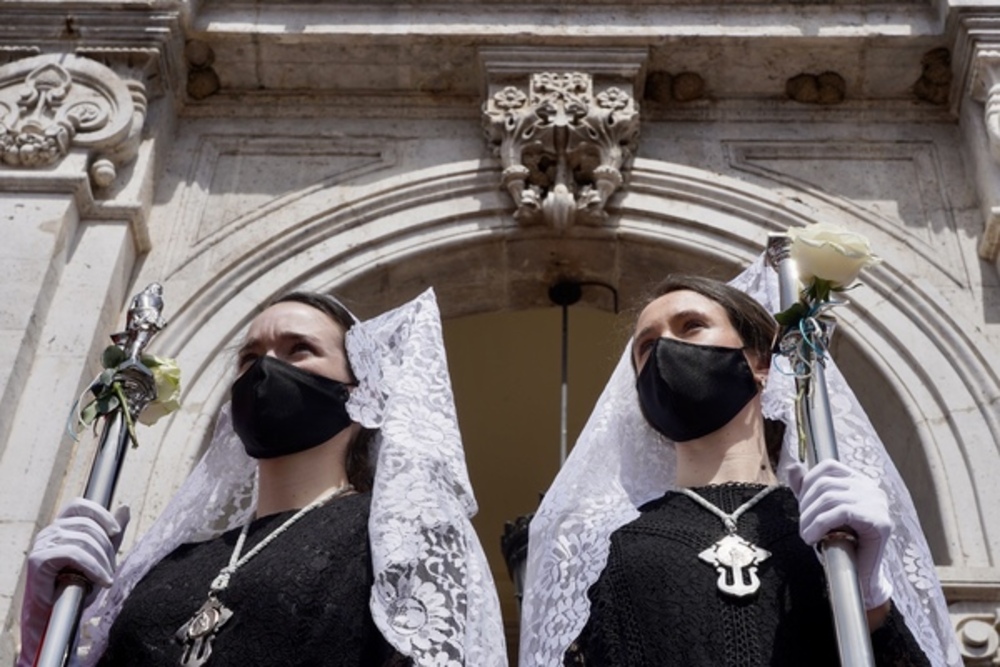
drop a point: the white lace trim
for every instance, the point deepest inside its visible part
(619, 462)
(433, 598)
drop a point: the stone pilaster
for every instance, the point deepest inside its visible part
(76, 169)
(976, 98)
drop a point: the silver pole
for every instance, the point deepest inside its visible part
(849, 615)
(564, 389)
(144, 320)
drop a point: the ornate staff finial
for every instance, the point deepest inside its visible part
(144, 320)
(121, 392)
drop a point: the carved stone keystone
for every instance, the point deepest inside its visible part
(563, 142)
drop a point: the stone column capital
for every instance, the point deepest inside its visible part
(52, 103)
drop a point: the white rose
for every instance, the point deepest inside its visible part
(830, 253)
(167, 375)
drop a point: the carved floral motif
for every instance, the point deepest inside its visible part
(562, 146)
(50, 103)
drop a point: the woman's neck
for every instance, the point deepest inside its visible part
(735, 453)
(293, 481)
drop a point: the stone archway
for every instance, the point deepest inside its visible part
(450, 227)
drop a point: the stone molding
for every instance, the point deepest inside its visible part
(565, 140)
(976, 63)
(985, 89)
(977, 627)
(52, 103)
(919, 157)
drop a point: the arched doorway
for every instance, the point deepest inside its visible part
(917, 369)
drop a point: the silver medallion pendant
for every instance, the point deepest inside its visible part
(736, 561)
(197, 634)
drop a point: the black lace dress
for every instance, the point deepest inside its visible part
(302, 601)
(656, 604)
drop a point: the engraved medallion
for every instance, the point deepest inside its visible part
(197, 634)
(736, 561)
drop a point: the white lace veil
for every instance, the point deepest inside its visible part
(433, 597)
(619, 463)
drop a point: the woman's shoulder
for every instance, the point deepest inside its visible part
(346, 513)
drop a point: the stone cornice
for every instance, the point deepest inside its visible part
(631, 22)
(142, 41)
(320, 104)
(433, 49)
(56, 25)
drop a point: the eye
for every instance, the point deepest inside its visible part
(641, 348)
(300, 347)
(245, 359)
(694, 324)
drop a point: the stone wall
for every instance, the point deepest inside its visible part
(341, 147)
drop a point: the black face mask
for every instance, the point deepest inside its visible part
(279, 409)
(687, 391)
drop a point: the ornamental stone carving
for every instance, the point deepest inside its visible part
(563, 144)
(52, 103)
(978, 632)
(986, 89)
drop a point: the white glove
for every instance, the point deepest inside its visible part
(84, 537)
(833, 496)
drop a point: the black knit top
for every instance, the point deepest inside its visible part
(656, 604)
(302, 601)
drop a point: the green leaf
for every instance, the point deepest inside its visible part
(112, 357)
(791, 315)
(107, 403)
(103, 382)
(127, 416)
(89, 413)
(822, 289)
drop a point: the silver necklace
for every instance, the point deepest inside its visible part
(198, 633)
(734, 558)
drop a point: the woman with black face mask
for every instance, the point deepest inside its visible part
(322, 556)
(720, 570)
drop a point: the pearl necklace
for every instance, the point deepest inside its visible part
(197, 634)
(734, 558)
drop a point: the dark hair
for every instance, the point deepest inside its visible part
(756, 327)
(360, 471)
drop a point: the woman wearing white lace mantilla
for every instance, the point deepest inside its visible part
(282, 547)
(719, 570)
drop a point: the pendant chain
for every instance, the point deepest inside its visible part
(729, 520)
(221, 581)
(197, 635)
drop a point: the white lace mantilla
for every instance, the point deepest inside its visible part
(619, 463)
(433, 597)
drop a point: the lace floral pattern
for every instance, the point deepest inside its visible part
(434, 598)
(619, 463)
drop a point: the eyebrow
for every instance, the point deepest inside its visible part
(292, 336)
(691, 312)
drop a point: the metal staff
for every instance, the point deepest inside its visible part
(139, 388)
(849, 615)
